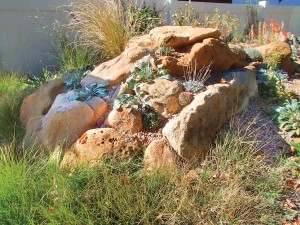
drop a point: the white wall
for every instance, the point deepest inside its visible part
(25, 47)
(272, 2)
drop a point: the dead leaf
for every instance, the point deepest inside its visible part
(231, 214)
(124, 180)
(290, 183)
(290, 204)
(51, 210)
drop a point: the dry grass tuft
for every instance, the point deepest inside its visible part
(100, 25)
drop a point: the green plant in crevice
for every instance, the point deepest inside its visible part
(93, 90)
(150, 117)
(128, 101)
(164, 50)
(75, 76)
(289, 117)
(194, 78)
(144, 72)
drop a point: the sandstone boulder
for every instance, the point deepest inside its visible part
(141, 41)
(39, 102)
(163, 96)
(125, 120)
(97, 144)
(191, 132)
(185, 98)
(65, 122)
(117, 70)
(181, 36)
(211, 51)
(172, 65)
(278, 47)
(159, 155)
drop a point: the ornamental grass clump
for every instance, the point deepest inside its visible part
(100, 25)
(195, 79)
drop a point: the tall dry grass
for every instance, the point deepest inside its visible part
(100, 25)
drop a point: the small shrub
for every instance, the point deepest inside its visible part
(142, 19)
(194, 80)
(186, 16)
(270, 85)
(289, 117)
(226, 23)
(273, 60)
(253, 55)
(97, 90)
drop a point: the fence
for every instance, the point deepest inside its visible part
(25, 46)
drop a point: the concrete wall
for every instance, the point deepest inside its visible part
(272, 2)
(25, 46)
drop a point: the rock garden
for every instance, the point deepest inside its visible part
(178, 101)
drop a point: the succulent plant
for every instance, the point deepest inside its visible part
(253, 54)
(289, 117)
(98, 90)
(195, 79)
(76, 76)
(144, 72)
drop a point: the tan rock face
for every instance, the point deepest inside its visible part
(65, 122)
(117, 70)
(124, 120)
(163, 95)
(278, 47)
(99, 106)
(181, 36)
(39, 102)
(172, 64)
(98, 144)
(160, 155)
(211, 51)
(191, 132)
(185, 98)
